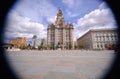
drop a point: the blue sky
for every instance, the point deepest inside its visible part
(31, 17)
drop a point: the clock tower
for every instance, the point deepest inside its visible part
(60, 19)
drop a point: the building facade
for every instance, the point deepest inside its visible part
(60, 35)
(98, 39)
(18, 42)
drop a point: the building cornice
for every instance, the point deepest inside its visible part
(98, 30)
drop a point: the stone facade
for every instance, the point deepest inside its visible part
(18, 42)
(98, 39)
(60, 35)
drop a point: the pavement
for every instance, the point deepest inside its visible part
(60, 64)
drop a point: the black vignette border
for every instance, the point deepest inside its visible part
(5, 71)
(114, 71)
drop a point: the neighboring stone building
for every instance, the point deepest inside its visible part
(60, 35)
(98, 38)
(18, 42)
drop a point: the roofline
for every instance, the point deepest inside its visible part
(104, 29)
(96, 30)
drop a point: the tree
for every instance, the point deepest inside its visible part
(81, 47)
(32, 47)
(111, 46)
(24, 47)
(41, 47)
(76, 46)
(49, 47)
(70, 46)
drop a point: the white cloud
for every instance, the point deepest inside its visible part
(103, 6)
(36, 9)
(73, 4)
(69, 3)
(70, 14)
(99, 18)
(18, 26)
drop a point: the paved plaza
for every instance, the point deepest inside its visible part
(60, 64)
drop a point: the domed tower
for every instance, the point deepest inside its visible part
(60, 19)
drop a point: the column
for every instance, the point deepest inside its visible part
(72, 37)
(48, 36)
(56, 37)
(64, 38)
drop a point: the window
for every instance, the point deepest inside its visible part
(98, 46)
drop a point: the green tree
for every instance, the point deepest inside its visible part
(24, 47)
(41, 47)
(111, 46)
(49, 47)
(32, 47)
(70, 46)
(76, 46)
(81, 46)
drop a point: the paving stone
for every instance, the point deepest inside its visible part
(60, 64)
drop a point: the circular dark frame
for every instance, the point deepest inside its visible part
(7, 73)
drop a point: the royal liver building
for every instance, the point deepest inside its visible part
(60, 35)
